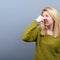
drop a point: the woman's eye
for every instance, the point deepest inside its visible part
(46, 15)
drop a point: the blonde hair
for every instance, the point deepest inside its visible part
(55, 16)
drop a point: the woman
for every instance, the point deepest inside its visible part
(46, 36)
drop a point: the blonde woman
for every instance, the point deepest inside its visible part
(46, 36)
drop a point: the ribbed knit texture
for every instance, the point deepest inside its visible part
(47, 47)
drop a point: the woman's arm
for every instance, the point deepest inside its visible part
(30, 33)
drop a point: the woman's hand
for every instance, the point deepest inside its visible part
(40, 19)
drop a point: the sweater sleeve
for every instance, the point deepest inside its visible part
(30, 33)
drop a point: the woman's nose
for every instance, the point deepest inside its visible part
(45, 18)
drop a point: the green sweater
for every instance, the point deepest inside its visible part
(47, 47)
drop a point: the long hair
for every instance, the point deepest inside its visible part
(56, 18)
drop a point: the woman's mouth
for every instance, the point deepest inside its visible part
(46, 22)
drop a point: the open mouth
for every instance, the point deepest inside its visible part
(46, 22)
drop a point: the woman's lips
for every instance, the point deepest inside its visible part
(45, 21)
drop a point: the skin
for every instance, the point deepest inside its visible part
(48, 21)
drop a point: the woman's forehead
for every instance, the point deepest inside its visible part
(45, 13)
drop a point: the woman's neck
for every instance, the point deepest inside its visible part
(49, 32)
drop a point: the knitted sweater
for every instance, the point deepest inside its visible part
(47, 47)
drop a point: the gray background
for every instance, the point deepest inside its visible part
(15, 16)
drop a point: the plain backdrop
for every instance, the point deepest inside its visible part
(15, 16)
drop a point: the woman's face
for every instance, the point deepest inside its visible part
(47, 18)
